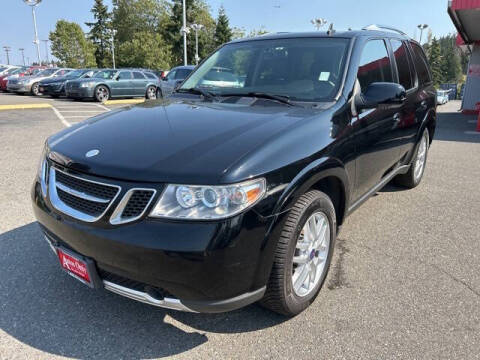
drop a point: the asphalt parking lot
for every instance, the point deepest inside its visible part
(404, 283)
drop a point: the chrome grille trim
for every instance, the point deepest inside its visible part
(58, 204)
(117, 218)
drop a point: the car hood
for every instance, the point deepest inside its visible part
(174, 141)
(50, 80)
(35, 78)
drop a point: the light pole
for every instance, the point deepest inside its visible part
(196, 28)
(184, 31)
(318, 23)
(46, 48)
(28, 61)
(421, 27)
(114, 32)
(23, 55)
(7, 50)
(34, 3)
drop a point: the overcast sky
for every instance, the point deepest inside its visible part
(16, 28)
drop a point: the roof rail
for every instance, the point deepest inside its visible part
(383, 27)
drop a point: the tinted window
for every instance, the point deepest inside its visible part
(374, 64)
(304, 69)
(182, 74)
(150, 76)
(104, 74)
(403, 65)
(138, 75)
(421, 64)
(171, 75)
(124, 75)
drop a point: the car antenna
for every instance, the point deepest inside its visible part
(331, 30)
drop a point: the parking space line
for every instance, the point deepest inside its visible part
(60, 116)
(77, 116)
(25, 106)
(103, 107)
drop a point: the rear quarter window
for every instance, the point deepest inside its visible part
(421, 64)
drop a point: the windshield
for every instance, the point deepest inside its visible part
(105, 74)
(75, 73)
(304, 69)
(47, 72)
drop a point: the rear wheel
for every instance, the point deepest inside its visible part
(303, 255)
(102, 93)
(151, 93)
(415, 174)
(35, 89)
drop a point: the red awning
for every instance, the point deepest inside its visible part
(465, 15)
(464, 4)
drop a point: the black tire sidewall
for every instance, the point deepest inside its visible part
(295, 303)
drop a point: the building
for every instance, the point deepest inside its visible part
(465, 15)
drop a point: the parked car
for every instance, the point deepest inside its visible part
(31, 84)
(174, 78)
(442, 97)
(221, 196)
(7, 68)
(13, 74)
(24, 71)
(111, 83)
(55, 86)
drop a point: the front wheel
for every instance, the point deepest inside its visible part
(35, 89)
(151, 93)
(303, 255)
(102, 93)
(415, 174)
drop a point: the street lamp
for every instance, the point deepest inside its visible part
(46, 49)
(7, 50)
(23, 55)
(422, 27)
(184, 30)
(114, 32)
(318, 23)
(196, 28)
(34, 3)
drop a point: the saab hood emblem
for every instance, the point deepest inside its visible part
(92, 153)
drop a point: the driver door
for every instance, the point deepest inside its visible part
(121, 85)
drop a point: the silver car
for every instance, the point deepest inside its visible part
(30, 84)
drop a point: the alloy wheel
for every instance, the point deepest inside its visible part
(421, 158)
(102, 93)
(311, 253)
(151, 93)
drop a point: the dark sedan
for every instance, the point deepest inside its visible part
(55, 87)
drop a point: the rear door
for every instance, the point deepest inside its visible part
(139, 83)
(376, 149)
(407, 126)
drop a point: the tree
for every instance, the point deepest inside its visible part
(100, 33)
(70, 46)
(146, 50)
(434, 58)
(223, 33)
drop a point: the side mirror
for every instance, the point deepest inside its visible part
(380, 93)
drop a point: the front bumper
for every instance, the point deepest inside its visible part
(192, 266)
(52, 90)
(19, 88)
(80, 93)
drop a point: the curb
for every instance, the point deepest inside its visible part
(125, 101)
(25, 106)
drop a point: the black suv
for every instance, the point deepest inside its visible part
(232, 190)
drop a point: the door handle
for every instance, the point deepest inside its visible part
(423, 105)
(396, 117)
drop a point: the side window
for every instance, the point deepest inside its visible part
(171, 75)
(403, 65)
(138, 75)
(375, 64)
(124, 75)
(150, 76)
(421, 64)
(182, 74)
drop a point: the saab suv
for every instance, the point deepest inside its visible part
(231, 192)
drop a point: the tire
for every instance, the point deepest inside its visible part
(102, 93)
(34, 89)
(417, 167)
(54, 96)
(159, 93)
(151, 93)
(283, 294)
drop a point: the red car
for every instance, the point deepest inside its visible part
(20, 72)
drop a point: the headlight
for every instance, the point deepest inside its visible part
(87, 84)
(198, 202)
(42, 171)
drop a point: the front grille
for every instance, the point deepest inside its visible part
(86, 206)
(72, 86)
(153, 291)
(80, 198)
(137, 203)
(99, 190)
(13, 82)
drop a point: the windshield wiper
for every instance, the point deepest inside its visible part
(196, 90)
(284, 99)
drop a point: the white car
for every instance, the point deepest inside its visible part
(442, 96)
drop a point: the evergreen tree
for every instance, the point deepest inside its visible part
(434, 58)
(223, 33)
(70, 46)
(100, 33)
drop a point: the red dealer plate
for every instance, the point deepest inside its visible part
(74, 266)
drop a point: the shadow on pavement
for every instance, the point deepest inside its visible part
(451, 126)
(44, 308)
